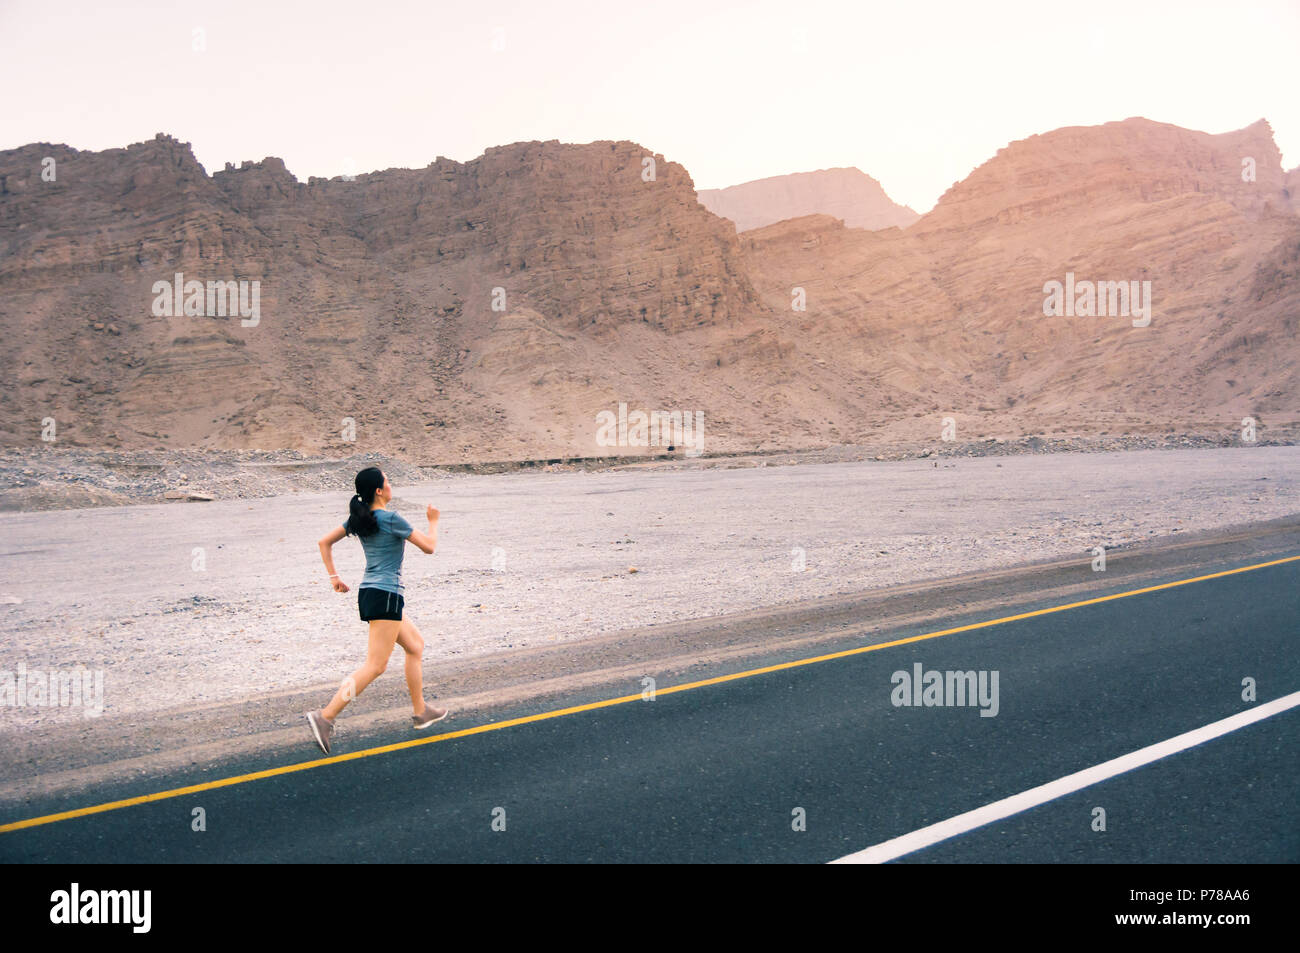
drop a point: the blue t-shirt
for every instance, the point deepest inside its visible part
(384, 551)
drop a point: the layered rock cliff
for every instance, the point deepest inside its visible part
(500, 302)
(948, 315)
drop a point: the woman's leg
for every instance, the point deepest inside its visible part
(383, 633)
(408, 637)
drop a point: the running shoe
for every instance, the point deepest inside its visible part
(430, 715)
(321, 728)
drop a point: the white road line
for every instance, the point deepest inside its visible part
(926, 836)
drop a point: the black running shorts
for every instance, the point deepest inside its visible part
(379, 604)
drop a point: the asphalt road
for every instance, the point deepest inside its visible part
(720, 773)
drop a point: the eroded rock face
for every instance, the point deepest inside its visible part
(492, 309)
(378, 298)
(847, 194)
(947, 316)
(1130, 163)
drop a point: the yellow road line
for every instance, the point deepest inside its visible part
(592, 706)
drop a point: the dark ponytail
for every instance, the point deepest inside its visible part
(362, 520)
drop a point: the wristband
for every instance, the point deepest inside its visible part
(334, 575)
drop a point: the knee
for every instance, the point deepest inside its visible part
(375, 667)
(411, 641)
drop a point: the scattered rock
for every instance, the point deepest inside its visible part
(193, 495)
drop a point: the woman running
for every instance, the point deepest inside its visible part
(383, 536)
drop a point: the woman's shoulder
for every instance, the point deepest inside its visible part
(391, 519)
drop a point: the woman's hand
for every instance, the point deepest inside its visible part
(430, 512)
(339, 585)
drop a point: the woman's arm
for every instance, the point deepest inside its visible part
(327, 556)
(427, 542)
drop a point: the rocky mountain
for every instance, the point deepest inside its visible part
(947, 317)
(847, 194)
(499, 303)
(493, 309)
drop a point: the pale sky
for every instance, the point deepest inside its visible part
(916, 94)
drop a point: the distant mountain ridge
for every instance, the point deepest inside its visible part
(844, 193)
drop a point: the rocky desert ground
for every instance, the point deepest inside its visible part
(184, 604)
